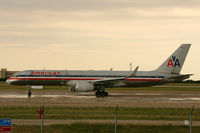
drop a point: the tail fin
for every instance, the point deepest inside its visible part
(175, 62)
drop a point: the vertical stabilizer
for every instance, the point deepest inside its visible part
(175, 62)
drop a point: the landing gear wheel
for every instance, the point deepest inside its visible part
(101, 93)
(29, 93)
(98, 93)
(105, 93)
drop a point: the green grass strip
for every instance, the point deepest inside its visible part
(103, 128)
(100, 113)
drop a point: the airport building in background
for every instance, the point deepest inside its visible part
(5, 74)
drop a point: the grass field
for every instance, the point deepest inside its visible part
(101, 128)
(124, 113)
(187, 87)
(99, 113)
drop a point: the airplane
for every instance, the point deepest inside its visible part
(93, 80)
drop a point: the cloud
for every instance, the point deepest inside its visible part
(90, 34)
(71, 5)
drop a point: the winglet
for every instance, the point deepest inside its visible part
(133, 73)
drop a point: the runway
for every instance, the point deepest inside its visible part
(123, 98)
(113, 95)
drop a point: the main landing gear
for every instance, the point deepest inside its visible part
(101, 91)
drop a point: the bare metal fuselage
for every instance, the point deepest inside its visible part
(55, 77)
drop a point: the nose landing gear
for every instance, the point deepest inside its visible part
(29, 92)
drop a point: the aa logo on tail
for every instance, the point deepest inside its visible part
(173, 62)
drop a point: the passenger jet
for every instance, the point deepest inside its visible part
(85, 81)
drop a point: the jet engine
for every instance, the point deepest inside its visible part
(82, 86)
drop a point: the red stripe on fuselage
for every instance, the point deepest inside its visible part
(129, 79)
(143, 79)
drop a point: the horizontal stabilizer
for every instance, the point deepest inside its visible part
(181, 77)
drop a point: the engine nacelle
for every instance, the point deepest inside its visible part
(82, 86)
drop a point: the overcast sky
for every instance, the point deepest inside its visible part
(97, 34)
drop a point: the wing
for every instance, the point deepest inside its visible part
(115, 80)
